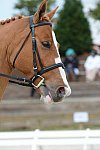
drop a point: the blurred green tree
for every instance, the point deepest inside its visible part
(29, 7)
(95, 13)
(72, 28)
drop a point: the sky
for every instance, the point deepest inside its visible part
(7, 7)
(7, 10)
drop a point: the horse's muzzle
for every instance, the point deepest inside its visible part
(61, 93)
(58, 95)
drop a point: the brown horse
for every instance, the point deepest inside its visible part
(29, 44)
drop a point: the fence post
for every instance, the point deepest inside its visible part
(86, 139)
(35, 140)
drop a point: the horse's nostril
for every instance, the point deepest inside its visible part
(61, 92)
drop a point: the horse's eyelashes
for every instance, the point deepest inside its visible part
(46, 44)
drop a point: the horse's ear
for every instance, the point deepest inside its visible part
(41, 11)
(51, 14)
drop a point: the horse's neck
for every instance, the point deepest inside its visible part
(4, 54)
(8, 47)
(5, 69)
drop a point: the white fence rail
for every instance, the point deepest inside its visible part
(39, 138)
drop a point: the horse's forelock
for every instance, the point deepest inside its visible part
(45, 19)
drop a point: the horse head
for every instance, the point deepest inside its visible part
(39, 58)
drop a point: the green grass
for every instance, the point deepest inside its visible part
(65, 127)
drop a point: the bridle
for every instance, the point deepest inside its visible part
(37, 74)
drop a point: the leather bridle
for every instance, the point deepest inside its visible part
(37, 74)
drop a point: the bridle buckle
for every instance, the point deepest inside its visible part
(40, 83)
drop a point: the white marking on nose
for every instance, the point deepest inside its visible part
(62, 72)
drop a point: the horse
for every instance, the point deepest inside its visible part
(28, 43)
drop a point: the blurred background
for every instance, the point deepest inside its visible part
(77, 27)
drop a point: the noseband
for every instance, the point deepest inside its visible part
(37, 74)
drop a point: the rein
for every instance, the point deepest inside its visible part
(37, 74)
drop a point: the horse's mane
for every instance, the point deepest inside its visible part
(8, 20)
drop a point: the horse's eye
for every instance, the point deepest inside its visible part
(46, 44)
